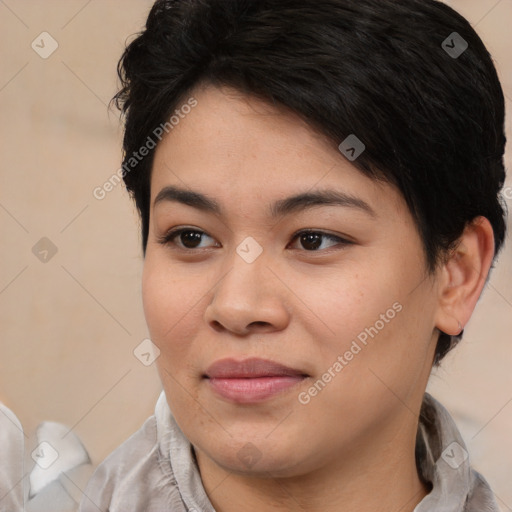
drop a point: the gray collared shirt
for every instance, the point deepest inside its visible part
(155, 469)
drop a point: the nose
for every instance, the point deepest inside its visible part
(249, 297)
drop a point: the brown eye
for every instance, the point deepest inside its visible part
(311, 241)
(187, 238)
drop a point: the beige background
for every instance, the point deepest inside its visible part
(69, 326)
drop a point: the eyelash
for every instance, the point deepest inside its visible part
(167, 238)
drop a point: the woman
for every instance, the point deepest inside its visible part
(319, 190)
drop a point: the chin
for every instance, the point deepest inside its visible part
(244, 457)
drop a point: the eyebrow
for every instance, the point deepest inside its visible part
(280, 208)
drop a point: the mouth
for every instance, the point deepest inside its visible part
(251, 380)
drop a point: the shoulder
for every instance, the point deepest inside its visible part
(135, 476)
(139, 449)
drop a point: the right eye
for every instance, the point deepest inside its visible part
(188, 238)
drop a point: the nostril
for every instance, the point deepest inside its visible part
(217, 325)
(259, 324)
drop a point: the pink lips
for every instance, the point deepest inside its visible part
(251, 380)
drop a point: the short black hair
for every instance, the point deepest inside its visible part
(411, 79)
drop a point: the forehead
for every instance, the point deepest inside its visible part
(236, 148)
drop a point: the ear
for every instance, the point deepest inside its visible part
(463, 276)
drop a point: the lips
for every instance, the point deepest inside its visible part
(249, 368)
(252, 380)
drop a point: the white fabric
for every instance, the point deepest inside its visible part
(155, 469)
(11, 461)
(59, 451)
(43, 473)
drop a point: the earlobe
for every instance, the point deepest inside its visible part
(463, 276)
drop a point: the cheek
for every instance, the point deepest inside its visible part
(151, 296)
(161, 300)
(172, 308)
(350, 302)
(371, 322)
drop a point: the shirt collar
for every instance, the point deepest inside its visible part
(443, 460)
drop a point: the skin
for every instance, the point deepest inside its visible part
(298, 306)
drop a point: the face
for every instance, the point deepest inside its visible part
(347, 305)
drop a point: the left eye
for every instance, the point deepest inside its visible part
(312, 239)
(189, 238)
